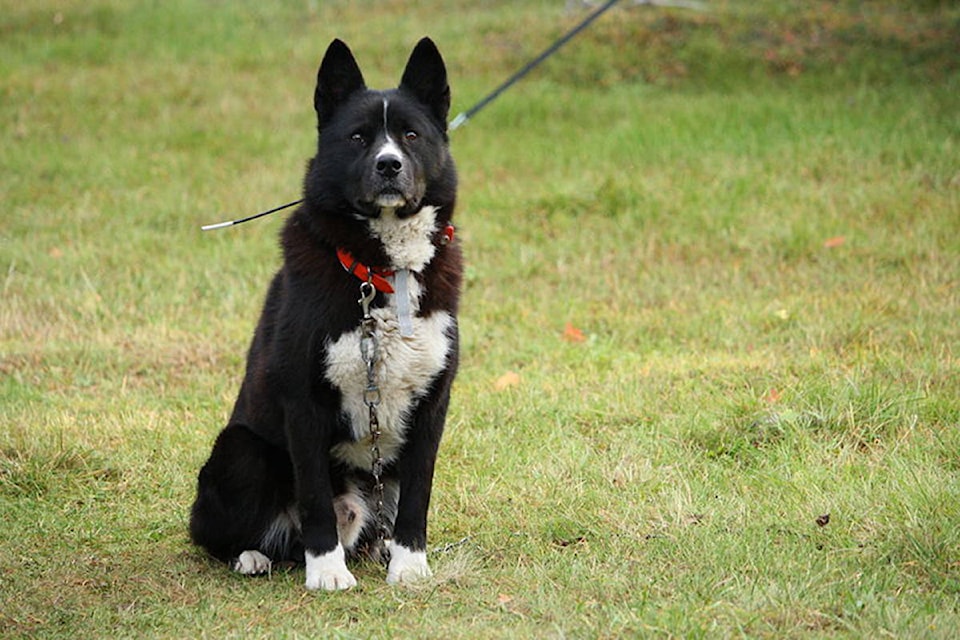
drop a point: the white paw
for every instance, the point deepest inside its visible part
(406, 566)
(329, 571)
(252, 563)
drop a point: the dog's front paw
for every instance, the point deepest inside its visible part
(406, 566)
(329, 571)
(252, 563)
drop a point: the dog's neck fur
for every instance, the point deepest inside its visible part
(408, 242)
(388, 241)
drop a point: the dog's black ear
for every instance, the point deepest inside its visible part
(426, 78)
(338, 78)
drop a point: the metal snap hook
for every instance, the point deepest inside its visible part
(367, 293)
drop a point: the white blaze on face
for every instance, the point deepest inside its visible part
(389, 150)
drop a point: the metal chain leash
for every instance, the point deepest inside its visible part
(369, 351)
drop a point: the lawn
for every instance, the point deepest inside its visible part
(709, 380)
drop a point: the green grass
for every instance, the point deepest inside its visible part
(751, 214)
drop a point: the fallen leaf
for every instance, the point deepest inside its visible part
(772, 396)
(507, 380)
(823, 520)
(504, 599)
(573, 334)
(834, 242)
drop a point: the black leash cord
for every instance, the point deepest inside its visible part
(230, 223)
(463, 117)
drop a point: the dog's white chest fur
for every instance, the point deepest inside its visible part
(405, 365)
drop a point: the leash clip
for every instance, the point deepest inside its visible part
(367, 293)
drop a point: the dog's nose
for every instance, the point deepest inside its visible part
(389, 165)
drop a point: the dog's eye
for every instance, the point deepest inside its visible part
(410, 136)
(358, 138)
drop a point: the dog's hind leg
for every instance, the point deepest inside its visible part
(352, 517)
(242, 512)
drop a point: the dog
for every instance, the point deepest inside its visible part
(368, 262)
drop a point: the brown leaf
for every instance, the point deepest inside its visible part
(823, 520)
(834, 242)
(507, 380)
(573, 334)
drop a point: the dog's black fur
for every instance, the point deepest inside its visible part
(278, 480)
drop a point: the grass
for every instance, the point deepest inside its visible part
(711, 299)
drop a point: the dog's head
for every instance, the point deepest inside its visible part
(382, 150)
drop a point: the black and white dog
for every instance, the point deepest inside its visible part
(290, 476)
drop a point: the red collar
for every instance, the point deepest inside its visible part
(375, 275)
(447, 236)
(378, 275)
